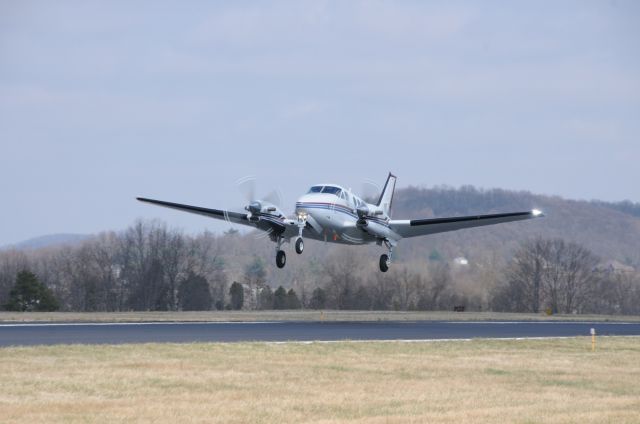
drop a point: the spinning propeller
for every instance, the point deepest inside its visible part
(269, 204)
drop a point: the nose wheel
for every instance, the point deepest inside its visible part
(302, 222)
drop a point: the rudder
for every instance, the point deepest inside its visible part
(386, 197)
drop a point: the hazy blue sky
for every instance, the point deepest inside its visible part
(104, 101)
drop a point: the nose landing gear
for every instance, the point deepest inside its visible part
(302, 222)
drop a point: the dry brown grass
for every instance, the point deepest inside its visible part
(307, 315)
(550, 381)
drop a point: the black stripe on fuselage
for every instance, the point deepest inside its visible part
(415, 222)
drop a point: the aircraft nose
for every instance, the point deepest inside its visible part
(301, 204)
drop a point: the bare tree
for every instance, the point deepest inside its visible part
(173, 252)
(440, 280)
(342, 278)
(579, 267)
(525, 275)
(554, 272)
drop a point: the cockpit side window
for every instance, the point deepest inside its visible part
(315, 189)
(331, 190)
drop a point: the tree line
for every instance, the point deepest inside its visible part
(152, 267)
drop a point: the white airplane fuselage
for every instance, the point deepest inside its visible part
(334, 218)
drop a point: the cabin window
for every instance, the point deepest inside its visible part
(332, 190)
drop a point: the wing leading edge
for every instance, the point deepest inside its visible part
(421, 227)
(235, 217)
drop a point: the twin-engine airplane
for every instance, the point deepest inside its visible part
(330, 213)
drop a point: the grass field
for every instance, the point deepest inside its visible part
(299, 315)
(550, 381)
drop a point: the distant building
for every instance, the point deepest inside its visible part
(614, 267)
(460, 260)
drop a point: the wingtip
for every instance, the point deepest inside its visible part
(537, 213)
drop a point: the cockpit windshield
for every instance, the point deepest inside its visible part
(325, 190)
(332, 190)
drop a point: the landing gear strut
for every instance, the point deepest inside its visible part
(385, 260)
(281, 257)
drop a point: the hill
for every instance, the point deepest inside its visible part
(50, 240)
(610, 230)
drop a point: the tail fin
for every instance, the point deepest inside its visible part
(386, 197)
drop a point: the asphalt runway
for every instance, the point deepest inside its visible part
(23, 334)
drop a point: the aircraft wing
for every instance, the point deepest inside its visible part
(265, 223)
(421, 227)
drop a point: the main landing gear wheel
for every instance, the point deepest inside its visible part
(281, 259)
(299, 245)
(384, 263)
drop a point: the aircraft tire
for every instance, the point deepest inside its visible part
(299, 245)
(281, 259)
(384, 263)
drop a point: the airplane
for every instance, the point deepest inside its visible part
(331, 213)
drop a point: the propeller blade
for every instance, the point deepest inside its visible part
(247, 186)
(370, 190)
(274, 198)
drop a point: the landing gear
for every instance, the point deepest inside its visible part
(281, 259)
(302, 222)
(384, 263)
(385, 260)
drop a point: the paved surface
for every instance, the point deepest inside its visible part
(91, 333)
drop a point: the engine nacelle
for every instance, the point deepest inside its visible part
(255, 208)
(364, 211)
(375, 229)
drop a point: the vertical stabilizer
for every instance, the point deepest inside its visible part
(386, 197)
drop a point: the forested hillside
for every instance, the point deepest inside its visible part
(150, 266)
(608, 230)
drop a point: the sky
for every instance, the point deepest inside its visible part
(101, 102)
